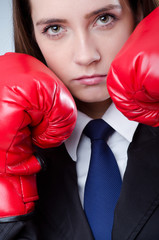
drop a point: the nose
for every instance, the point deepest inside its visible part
(86, 51)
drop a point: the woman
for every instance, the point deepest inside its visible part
(78, 40)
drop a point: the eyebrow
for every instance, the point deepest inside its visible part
(89, 15)
(50, 21)
(104, 9)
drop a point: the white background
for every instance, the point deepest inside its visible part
(6, 27)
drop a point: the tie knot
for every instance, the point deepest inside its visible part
(98, 129)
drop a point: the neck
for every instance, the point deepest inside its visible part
(94, 110)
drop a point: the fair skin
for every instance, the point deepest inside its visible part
(79, 39)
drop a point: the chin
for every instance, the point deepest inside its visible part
(96, 99)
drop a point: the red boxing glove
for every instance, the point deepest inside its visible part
(35, 108)
(133, 79)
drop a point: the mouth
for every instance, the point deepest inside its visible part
(91, 80)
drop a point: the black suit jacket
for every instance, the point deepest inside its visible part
(60, 215)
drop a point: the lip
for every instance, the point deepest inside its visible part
(91, 80)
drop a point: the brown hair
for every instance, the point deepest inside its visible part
(145, 5)
(23, 28)
(24, 40)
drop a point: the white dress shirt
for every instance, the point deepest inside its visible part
(79, 145)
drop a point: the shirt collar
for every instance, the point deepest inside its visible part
(120, 123)
(72, 142)
(112, 116)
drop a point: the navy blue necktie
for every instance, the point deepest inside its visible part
(103, 182)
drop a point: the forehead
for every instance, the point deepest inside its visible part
(49, 8)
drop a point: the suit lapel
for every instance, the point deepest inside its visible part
(59, 203)
(140, 192)
(80, 226)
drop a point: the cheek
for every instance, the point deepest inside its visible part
(112, 45)
(55, 64)
(56, 61)
(56, 57)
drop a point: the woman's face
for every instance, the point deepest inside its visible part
(79, 39)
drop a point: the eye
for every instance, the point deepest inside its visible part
(105, 20)
(53, 31)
